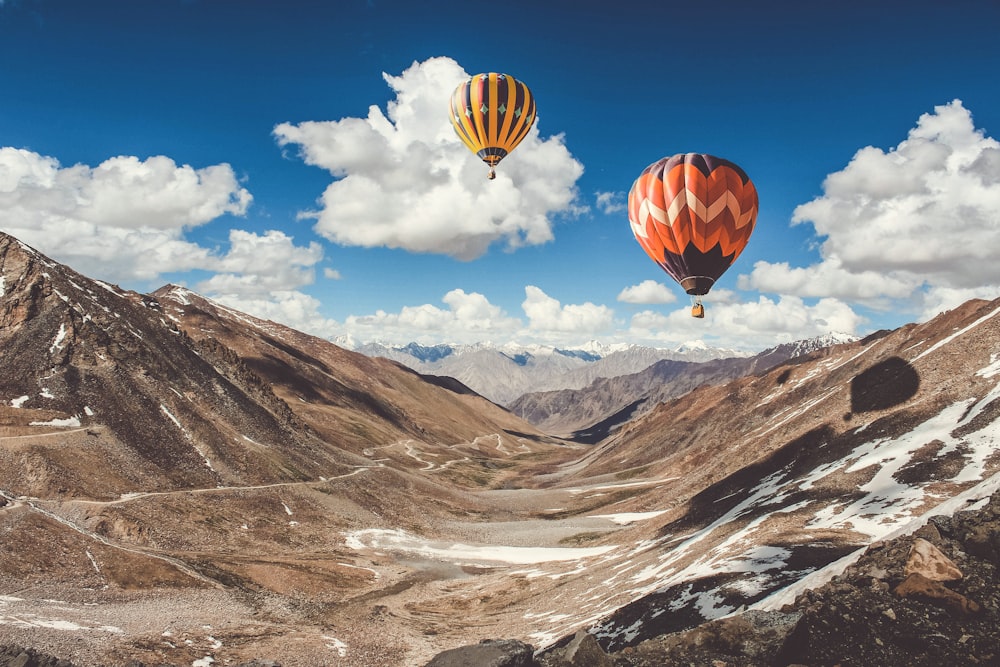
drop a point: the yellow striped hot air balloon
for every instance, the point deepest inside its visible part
(491, 114)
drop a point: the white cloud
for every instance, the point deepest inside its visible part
(919, 222)
(123, 219)
(546, 314)
(404, 180)
(939, 299)
(262, 264)
(122, 191)
(648, 291)
(787, 319)
(828, 278)
(611, 202)
(261, 274)
(289, 307)
(746, 325)
(332, 274)
(468, 317)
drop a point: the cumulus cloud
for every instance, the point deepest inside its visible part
(828, 278)
(939, 299)
(289, 307)
(468, 316)
(919, 222)
(647, 292)
(261, 275)
(123, 191)
(730, 322)
(611, 202)
(746, 325)
(546, 314)
(123, 219)
(404, 180)
(264, 264)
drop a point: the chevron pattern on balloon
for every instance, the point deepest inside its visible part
(693, 215)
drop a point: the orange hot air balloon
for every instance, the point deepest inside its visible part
(693, 215)
(491, 114)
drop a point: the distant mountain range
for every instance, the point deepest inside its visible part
(585, 393)
(594, 412)
(504, 373)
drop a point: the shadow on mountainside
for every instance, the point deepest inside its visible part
(884, 385)
(597, 432)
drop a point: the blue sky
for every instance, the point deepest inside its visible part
(295, 160)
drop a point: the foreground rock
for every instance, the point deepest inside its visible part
(16, 656)
(487, 653)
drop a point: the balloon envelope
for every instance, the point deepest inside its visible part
(693, 214)
(491, 114)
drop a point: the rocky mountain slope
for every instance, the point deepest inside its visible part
(163, 450)
(192, 394)
(921, 600)
(743, 495)
(182, 484)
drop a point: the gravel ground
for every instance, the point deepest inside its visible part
(404, 616)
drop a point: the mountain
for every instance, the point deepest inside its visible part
(166, 460)
(504, 373)
(768, 479)
(253, 402)
(592, 413)
(904, 601)
(784, 518)
(182, 484)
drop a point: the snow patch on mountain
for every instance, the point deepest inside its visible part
(715, 570)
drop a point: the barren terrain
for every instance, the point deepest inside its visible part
(184, 484)
(364, 596)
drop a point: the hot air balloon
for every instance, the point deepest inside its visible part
(491, 114)
(693, 215)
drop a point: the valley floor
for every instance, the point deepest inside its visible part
(392, 597)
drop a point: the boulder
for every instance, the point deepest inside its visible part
(920, 587)
(582, 651)
(927, 560)
(487, 653)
